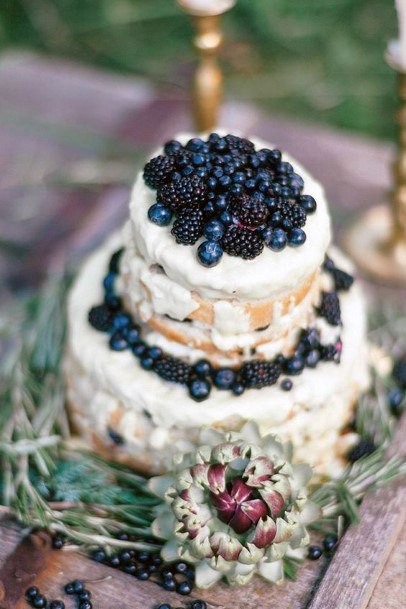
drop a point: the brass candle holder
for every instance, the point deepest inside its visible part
(377, 242)
(208, 78)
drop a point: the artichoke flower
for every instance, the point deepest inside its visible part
(234, 507)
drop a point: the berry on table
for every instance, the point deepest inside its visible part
(199, 604)
(85, 595)
(159, 214)
(32, 592)
(329, 543)
(314, 552)
(57, 542)
(164, 606)
(39, 601)
(169, 584)
(184, 588)
(56, 604)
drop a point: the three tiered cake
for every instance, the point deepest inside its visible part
(220, 301)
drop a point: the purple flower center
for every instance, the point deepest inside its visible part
(238, 507)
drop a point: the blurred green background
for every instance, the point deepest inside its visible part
(317, 60)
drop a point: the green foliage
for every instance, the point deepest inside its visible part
(319, 60)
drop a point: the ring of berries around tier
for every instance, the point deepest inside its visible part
(238, 187)
(200, 377)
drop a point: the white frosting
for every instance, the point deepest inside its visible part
(318, 400)
(270, 274)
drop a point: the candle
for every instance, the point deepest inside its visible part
(207, 7)
(401, 47)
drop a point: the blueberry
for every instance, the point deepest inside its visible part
(296, 181)
(195, 144)
(276, 218)
(286, 385)
(32, 592)
(155, 352)
(164, 606)
(237, 388)
(250, 184)
(57, 542)
(159, 214)
(167, 573)
(218, 172)
(172, 147)
(188, 171)
(239, 177)
(271, 202)
(214, 230)
(267, 234)
(78, 586)
(199, 389)
(286, 224)
(108, 281)
(125, 557)
(181, 567)
(198, 159)
(169, 584)
(131, 569)
(202, 368)
(276, 189)
(221, 203)
(294, 365)
(209, 253)
(224, 378)
(69, 588)
(226, 217)
(364, 448)
(395, 399)
(147, 362)
(117, 342)
(121, 320)
(275, 156)
(212, 183)
(297, 237)
(99, 555)
(139, 349)
(85, 605)
(284, 168)
(329, 543)
(312, 358)
(278, 240)
(198, 605)
(114, 561)
(236, 189)
(201, 172)
(184, 588)
(143, 574)
(85, 595)
(209, 208)
(224, 181)
(213, 138)
(112, 301)
(308, 203)
(131, 334)
(57, 604)
(39, 601)
(314, 552)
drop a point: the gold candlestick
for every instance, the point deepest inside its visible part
(378, 241)
(208, 78)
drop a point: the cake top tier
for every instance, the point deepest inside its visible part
(228, 217)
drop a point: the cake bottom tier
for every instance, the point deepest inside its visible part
(133, 415)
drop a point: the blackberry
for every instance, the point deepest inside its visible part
(364, 448)
(239, 144)
(399, 372)
(188, 226)
(242, 242)
(248, 211)
(115, 260)
(330, 308)
(342, 280)
(329, 353)
(258, 374)
(294, 213)
(100, 318)
(173, 370)
(158, 171)
(186, 192)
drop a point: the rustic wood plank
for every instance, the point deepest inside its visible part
(364, 549)
(389, 591)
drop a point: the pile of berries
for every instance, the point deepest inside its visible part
(200, 377)
(174, 577)
(40, 601)
(236, 198)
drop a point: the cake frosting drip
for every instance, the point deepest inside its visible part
(270, 274)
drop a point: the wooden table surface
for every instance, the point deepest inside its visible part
(62, 124)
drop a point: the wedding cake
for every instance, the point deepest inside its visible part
(220, 301)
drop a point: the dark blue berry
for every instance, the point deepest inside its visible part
(39, 601)
(159, 214)
(169, 584)
(294, 365)
(118, 342)
(312, 358)
(395, 399)
(56, 604)
(224, 181)
(214, 230)
(121, 320)
(164, 606)
(221, 203)
(184, 588)
(212, 183)
(278, 240)
(78, 586)
(131, 334)
(296, 181)
(198, 159)
(57, 542)
(330, 543)
(188, 171)
(308, 203)
(114, 561)
(297, 237)
(154, 352)
(147, 362)
(195, 144)
(139, 349)
(115, 261)
(108, 281)
(85, 595)
(69, 589)
(112, 301)
(199, 389)
(202, 368)
(172, 147)
(218, 172)
(224, 378)
(209, 253)
(85, 605)
(314, 552)
(237, 388)
(99, 555)
(198, 605)
(143, 556)
(143, 574)
(286, 385)
(267, 234)
(364, 448)
(236, 189)
(181, 567)
(125, 557)
(225, 217)
(32, 592)
(131, 569)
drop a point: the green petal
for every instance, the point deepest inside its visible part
(205, 576)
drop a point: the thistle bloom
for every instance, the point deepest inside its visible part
(234, 507)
